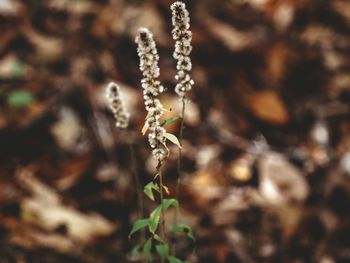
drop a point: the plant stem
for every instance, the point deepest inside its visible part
(161, 186)
(178, 182)
(162, 217)
(138, 189)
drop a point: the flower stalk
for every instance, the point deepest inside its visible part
(122, 117)
(183, 36)
(152, 88)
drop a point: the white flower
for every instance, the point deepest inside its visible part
(117, 106)
(183, 37)
(152, 88)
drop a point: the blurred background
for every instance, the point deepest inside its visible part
(266, 160)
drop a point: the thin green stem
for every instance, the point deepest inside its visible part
(180, 149)
(162, 217)
(179, 173)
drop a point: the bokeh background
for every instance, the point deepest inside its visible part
(266, 160)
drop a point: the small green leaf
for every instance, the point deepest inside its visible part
(170, 120)
(182, 228)
(154, 219)
(170, 202)
(148, 190)
(173, 139)
(139, 224)
(135, 250)
(173, 259)
(163, 250)
(147, 250)
(158, 238)
(20, 98)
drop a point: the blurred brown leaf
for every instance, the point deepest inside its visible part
(268, 106)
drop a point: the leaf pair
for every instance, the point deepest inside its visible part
(150, 187)
(153, 221)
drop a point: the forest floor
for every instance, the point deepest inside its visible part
(266, 159)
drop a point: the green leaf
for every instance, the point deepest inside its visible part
(170, 202)
(158, 238)
(182, 228)
(170, 120)
(147, 250)
(148, 190)
(154, 219)
(139, 224)
(163, 250)
(173, 259)
(173, 139)
(20, 99)
(135, 250)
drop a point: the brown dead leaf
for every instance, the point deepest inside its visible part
(231, 37)
(75, 7)
(68, 129)
(277, 60)
(45, 209)
(29, 236)
(268, 106)
(49, 48)
(281, 183)
(10, 7)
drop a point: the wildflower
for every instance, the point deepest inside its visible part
(183, 37)
(117, 106)
(152, 88)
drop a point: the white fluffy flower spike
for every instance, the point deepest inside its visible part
(117, 106)
(183, 37)
(152, 87)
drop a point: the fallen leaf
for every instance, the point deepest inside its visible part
(268, 106)
(281, 183)
(45, 209)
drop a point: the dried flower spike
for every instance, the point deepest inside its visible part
(117, 106)
(183, 37)
(152, 87)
